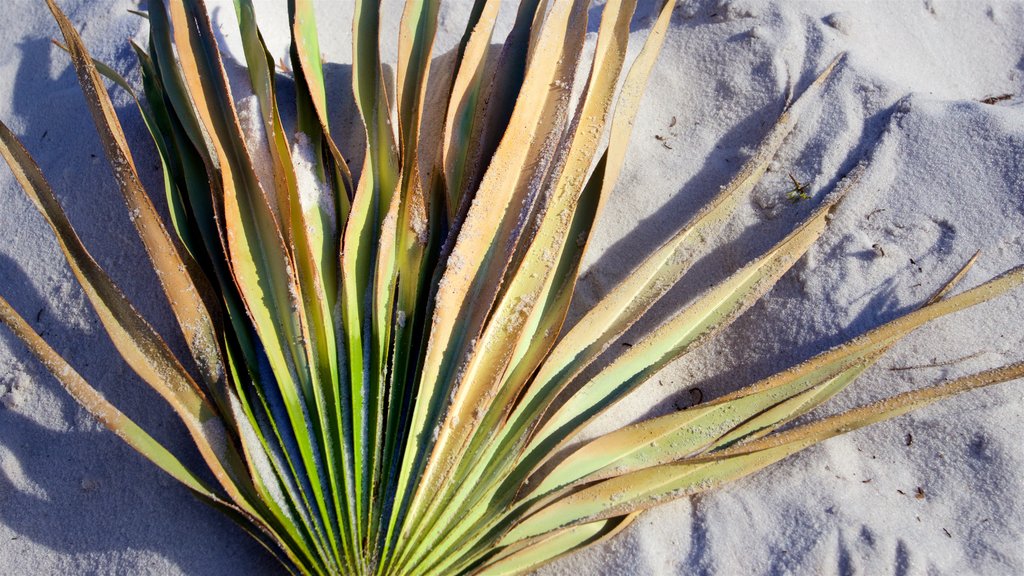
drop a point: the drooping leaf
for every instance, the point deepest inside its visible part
(179, 276)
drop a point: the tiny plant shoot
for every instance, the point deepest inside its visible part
(382, 378)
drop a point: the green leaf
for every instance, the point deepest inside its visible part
(99, 407)
(532, 555)
(142, 442)
(708, 314)
(256, 249)
(136, 341)
(744, 415)
(182, 283)
(649, 487)
(476, 263)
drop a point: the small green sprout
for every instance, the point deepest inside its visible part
(798, 192)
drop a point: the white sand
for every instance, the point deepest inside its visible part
(937, 492)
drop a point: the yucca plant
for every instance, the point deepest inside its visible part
(382, 381)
